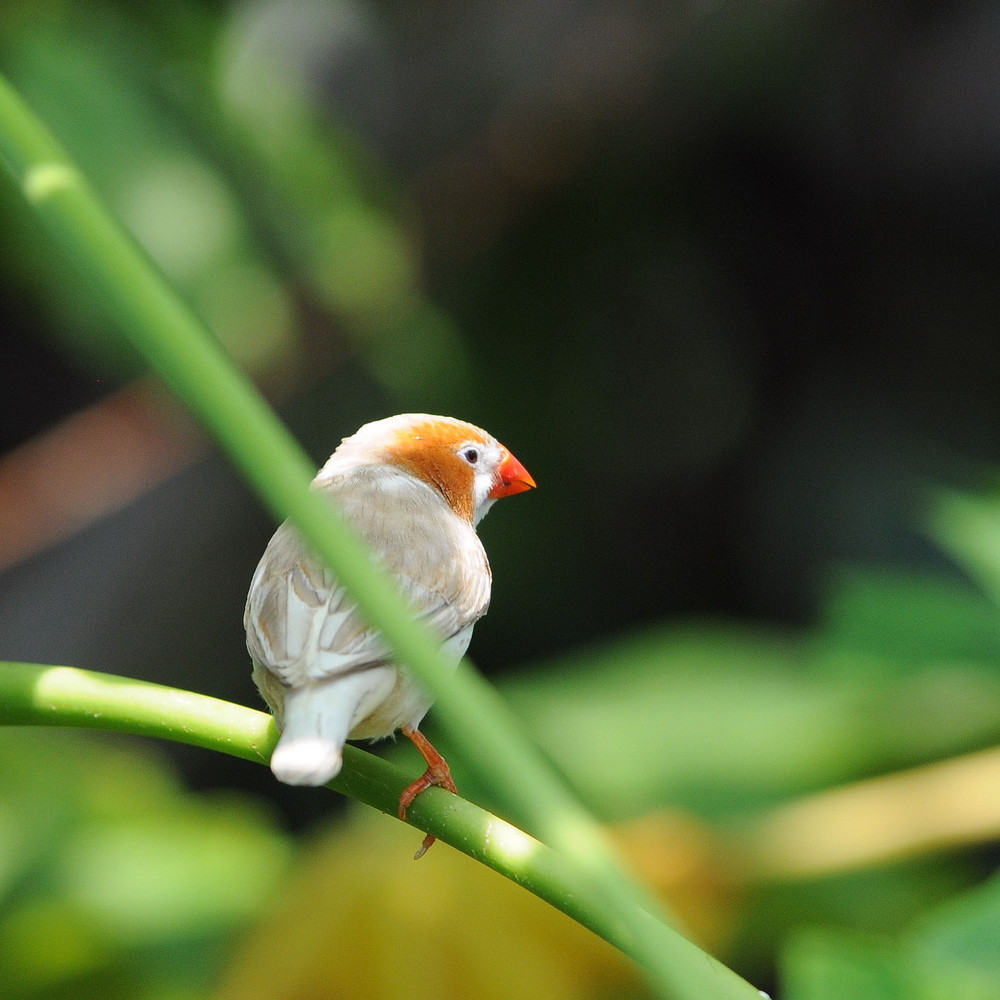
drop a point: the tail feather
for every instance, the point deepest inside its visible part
(316, 721)
(306, 760)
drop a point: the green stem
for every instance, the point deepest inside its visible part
(191, 361)
(36, 694)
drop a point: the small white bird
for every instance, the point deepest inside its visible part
(414, 487)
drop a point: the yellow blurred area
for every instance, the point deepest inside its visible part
(359, 920)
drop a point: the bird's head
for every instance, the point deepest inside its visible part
(467, 466)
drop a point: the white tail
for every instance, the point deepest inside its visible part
(306, 760)
(317, 720)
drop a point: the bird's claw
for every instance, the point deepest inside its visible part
(437, 773)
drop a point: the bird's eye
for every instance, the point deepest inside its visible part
(471, 455)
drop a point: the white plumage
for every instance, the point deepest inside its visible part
(414, 487)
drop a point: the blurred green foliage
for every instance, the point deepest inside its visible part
(211, 155)
(276, 222)
(850, 698)
(950, 952)
(116, 881)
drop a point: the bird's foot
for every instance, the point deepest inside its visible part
(437, 773)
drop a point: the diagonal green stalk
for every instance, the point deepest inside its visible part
(196, 368)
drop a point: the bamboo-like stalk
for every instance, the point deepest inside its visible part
(34, 694)
(196, 368)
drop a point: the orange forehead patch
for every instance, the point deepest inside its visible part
(440, 431)
(429, 452)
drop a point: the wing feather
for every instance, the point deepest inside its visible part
(302, 626)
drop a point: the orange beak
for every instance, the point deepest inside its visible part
(512, 477)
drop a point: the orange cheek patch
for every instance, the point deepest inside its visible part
(441, 468)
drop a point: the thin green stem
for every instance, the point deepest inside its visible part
(33, 694)
(193, 364)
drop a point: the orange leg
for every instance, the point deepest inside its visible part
(437, 773)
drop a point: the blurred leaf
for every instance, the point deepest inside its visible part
(659, 717)
(875, 904)
(951, 954)
(30, 823)
(240, 190)
(956, 949)
(830, 965)
(907, 621)
(118, 883)
(969, 527)
(933, 808)
(329, 204)
(94, 74)
(205, 868)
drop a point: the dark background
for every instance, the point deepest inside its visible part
(723, 276)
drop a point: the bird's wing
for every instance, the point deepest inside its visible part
(303, 626)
